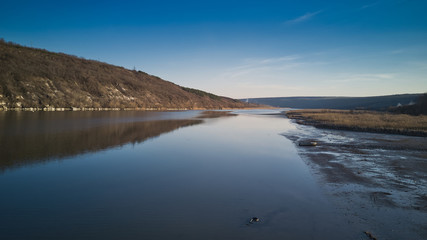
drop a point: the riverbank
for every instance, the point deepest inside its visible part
(362, 121)
(378, 181)
(63, 109)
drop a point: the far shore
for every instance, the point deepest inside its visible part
(63, 109)
(362, 121)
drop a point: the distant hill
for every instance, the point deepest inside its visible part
(368, 103)
(36, 78)
(419, 108)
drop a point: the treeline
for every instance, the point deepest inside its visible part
(418, 108)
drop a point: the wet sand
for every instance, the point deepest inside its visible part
(378, 181)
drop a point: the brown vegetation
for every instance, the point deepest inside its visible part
(358, 120)
(36, 78)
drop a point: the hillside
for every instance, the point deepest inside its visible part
(36, 78)
(419, 108)
(367, 103)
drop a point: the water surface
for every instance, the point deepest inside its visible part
(160, 175)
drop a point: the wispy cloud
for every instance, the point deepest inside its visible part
(262, 66)
(368, 77)
(398, 51)
(263, 89)
(370, 5)
(419, 65)
(303, 18)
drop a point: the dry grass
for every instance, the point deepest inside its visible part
(36, 78)
(362, 120)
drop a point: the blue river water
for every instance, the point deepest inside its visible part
(157, 175)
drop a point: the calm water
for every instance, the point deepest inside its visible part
(157, 175)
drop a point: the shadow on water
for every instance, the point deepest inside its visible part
(31, 138)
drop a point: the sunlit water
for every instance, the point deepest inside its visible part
(138, 175)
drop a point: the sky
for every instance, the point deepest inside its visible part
(240, 49)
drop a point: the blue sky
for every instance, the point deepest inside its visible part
(240, 48)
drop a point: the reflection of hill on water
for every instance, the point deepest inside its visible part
(19, 150)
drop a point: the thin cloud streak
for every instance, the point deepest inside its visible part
(260, 66)
(364, 77)
(303, 18)
(370, 5)
(420, 65)
(398, 51)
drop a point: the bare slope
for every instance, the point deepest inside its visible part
(35, 78)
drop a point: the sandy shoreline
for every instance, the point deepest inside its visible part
(379, 181)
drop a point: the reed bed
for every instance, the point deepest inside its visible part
(362, 120)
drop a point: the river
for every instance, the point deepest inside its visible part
(160, 175)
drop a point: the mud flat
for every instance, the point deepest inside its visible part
(378, 181)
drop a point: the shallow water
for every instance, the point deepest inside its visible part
(159, 175)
